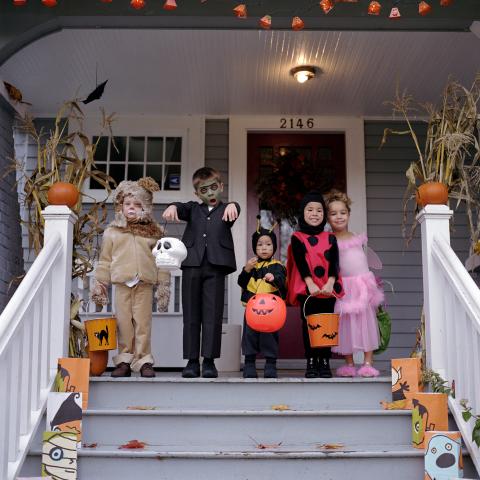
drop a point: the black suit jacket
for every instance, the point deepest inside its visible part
(206, 232)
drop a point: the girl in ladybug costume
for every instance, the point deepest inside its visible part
(312, 266)
(261, 274)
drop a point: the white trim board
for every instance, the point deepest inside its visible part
(239, 127)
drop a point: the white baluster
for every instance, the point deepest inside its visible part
(434, 220)
(45, 336)
(36, 357)
(4, 413)
(26, 377)
(14, 392)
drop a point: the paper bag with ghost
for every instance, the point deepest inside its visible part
(443, 455)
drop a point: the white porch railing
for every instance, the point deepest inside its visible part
(34, 330)
(452, 314)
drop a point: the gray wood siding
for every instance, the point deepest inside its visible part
(386, 182)
(11, 261)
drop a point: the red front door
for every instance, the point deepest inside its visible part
(326, 151)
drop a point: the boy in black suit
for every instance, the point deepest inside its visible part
(210, 258)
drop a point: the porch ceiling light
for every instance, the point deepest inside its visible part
(304, 73)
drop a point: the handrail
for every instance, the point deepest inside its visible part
(33, 335)
(11, 316)
(459, 279)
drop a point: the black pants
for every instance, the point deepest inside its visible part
(203, 292)
(315, 305)
(254, 342)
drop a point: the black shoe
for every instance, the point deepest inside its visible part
(249, 370)
(122, 370)
(147, 371)
(208, 368)
(324, 368)
(192, 370)
(312, 368)
(270, 370)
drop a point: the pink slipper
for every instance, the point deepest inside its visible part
(346, 371)
(367, 370)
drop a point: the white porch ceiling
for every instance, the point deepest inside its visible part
(221, 72)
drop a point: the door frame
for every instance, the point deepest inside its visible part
(239, 127)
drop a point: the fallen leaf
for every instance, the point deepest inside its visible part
(280, 407)
(132, 444)
(141, 407)
(89, 445)
(396, 405)
(266, 446)
(330, 446)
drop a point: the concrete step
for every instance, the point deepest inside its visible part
(233, 427)
(171, 391)
(247, 462)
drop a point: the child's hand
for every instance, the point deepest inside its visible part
(99, 293)
(230, 214)
(327, 289)
(269, 277)
(250, 265)
(170, 214)
(312, 287)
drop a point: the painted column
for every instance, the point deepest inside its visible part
(59, 218)
(435, 222)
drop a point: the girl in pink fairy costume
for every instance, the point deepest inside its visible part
(358, 329)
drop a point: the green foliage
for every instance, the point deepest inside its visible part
(437, 383)
(467, 416)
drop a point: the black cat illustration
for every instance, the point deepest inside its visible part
(102, 335)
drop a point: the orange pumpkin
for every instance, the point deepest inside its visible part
(374, 8)
(265, 313)
(432, 193)
(98, 362)
(62, 193)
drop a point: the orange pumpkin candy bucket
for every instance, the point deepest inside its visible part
(265, 312)
(322, 328)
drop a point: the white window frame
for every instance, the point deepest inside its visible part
(190, 128)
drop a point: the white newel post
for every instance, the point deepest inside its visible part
(435, 222)
(59, 218)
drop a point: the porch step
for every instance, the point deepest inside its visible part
(168, 391)
(246, 462)
(210, 429)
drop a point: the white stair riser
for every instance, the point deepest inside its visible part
(279, 468)
(244, 395)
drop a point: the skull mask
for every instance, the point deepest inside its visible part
(169, 253)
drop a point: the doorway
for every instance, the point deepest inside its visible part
(324, 151)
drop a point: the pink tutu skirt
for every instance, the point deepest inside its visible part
(358, 328)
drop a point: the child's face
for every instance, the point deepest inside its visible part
(208, 191)
(264, 248)
(313, 214)
(131, 208)
(338, 216)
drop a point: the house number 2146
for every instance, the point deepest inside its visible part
(293, 123)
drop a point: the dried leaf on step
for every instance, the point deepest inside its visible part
(132, 444)
(266, 446)
(89, 445)
(141, 407)
(396, 405)
(280, 407)
(330, 446)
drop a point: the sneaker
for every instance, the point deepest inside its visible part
(249, 370)
(346, 371)
(208, 368)
(147, 370)
(367, 371)
(270, 370)
(312, 370)
(192, 369)
(122, 370)
(324, 368)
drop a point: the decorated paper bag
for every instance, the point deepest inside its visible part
(64, 413)
(59, 455)
(73, 376)
(406, 378)
(443, 455)
(430, 412)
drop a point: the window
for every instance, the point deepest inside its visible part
(133, 157)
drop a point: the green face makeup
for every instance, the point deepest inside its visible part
(209, 192)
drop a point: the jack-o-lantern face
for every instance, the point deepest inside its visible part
(323, 329)
(266, 312)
